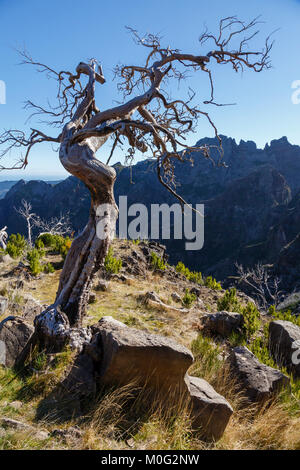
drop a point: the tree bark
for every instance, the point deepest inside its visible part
(88, 251)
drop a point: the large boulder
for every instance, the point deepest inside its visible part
(260, 382)
(211, 412)
(284, 343)
(14, 335)
(222, 323)
(129, 355)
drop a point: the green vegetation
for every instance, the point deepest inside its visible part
(16, 245)
(57, 243)
(190, 275)
(48, 268)
(196, 277)
(112, 265)
(231, 303)
(33, 256)
(207, 358)
(212, 283)
(157, 262)
(188, 299)
(284, 315)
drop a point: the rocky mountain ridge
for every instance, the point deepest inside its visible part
(252, 209)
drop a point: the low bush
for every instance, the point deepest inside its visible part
(112, 265)
(33, 257)
(157, 263)
(188, 299)
(231, 303)
(193, 276)
(16, 245)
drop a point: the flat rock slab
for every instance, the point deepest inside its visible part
(9, 423)
(129, 355)
(211, 411)
(14, 335)
(284, 343)
(223, 323)
(260, 382)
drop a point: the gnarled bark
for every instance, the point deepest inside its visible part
(88, 251)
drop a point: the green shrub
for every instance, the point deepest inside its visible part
(33, 256)
(48, 268)
(157, 262)
(57, 243)
(39, 244)
(212, 283)
(284, 315)
(251, 319)
(112, 265)
(192, 276)
(16, 245)
(230, 303)
(46, 239)
(188, 298)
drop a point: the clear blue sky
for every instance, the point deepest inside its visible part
(62, 33)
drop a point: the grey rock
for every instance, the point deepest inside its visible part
(223, 323)
(68, 434)
(5, 259)
(176, 297)
(196, 291)
(211, 412)
(9, 423)
(14, 335)
(80, 382)
(259, 381)
(130, 354)
(17, 404)
(101, 286)
(289, 301)
(284, 343)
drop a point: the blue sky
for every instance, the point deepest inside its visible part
(62, 34)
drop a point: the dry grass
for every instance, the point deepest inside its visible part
(120, 419)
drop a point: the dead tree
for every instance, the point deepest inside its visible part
(25, 211)
(55, 226)
(147, 120)
(263, 286)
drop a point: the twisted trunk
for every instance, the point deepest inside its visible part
(87, 251)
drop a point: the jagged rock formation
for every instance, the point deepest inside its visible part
(252, 207)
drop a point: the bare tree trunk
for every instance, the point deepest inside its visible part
(87, 251)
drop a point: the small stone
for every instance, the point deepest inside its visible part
(176, 297)
(92, 298)
(16, 404)
(102, 285)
